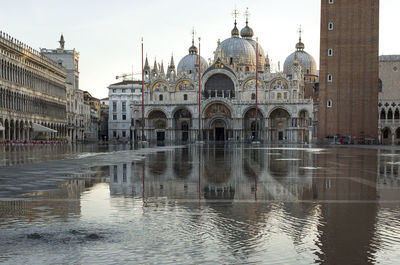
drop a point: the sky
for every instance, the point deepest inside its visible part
(107, 34)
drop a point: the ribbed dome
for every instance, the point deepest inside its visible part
(307, 62)
(189, 62)
(261, 59)
(237, 50)
(247, 32)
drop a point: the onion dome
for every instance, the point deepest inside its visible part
(235, 32)
(247, 32)
(307, 62)
(189, 63)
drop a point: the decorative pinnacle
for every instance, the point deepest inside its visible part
(246, 15)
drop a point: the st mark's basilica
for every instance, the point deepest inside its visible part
(228, 95)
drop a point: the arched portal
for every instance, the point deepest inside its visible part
(218, 120)
(280, 120)
(158, 125)
(253, 124)
(182, 125)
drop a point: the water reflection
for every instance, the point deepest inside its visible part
(229, 204)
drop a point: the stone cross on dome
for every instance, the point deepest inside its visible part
(235, 13)
(300, 31)
(193, 33)
(247, 15)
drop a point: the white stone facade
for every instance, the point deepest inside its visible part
(78, 115)
(389, 99)
(122, 95)
(32, 91)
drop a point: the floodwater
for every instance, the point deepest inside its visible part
(199, 204)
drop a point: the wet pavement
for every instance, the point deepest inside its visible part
(199, 204)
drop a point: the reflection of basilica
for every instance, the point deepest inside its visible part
(228, 85)
(332, 195)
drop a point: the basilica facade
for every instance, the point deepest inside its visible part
(232, 107)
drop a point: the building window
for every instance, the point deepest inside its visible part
(123, 90)
(330, 2)
(330, 52)
(380, 85)
(114, 90)
(114, 106)
(114, 134)
(330, 26)
(115, 173)
(124, 117)
(114, 117)
(184, 97)
(160, 97)
(329, 103)
(124, 172)
(123, 134)
(253, 96)
(330, 78)
(123, 106)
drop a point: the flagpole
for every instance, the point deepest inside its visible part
(199, 62)
(142, 95)
(256, 136)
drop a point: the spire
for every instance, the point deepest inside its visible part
(235, 31)
(172, 64)
(146, 64)
(155, 68)
(162, 69)
(62, 42)
(193, 49)
(300, 46)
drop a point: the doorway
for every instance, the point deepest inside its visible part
(160, 138)
(280, 136)
(219, 134)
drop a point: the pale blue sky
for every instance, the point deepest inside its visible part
(107, 33)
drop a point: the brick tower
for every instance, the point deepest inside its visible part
(349, 68)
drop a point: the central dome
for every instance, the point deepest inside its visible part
(236, 50)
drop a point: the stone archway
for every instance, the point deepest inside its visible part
(218, 121)
(253, 125)
(182, 124)
(158, 124)
(386, 136)
(279, 125)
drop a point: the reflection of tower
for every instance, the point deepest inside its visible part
(348, 223)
